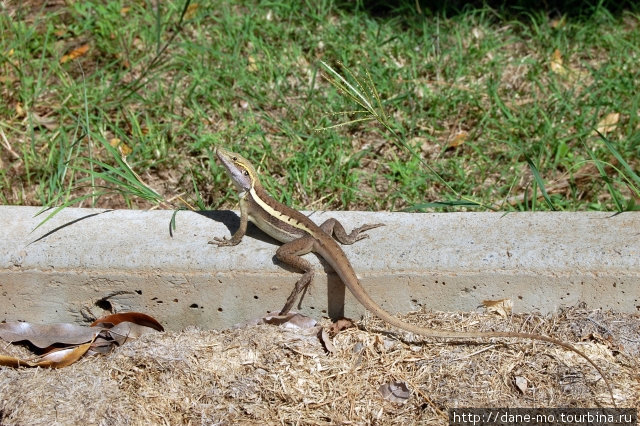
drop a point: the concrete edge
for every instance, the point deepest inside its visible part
(87, 262)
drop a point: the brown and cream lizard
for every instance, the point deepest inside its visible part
(301, 235)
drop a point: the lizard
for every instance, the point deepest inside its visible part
(301, 235)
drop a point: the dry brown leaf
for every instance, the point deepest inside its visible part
(125, 10)
(502, 307)
(103, 335)
(124, 149)
(191, 11)
(45, 335)
(75, 53)
(556, 63)
(458, 140)
(56, 358)
(133, 317)
(397, 392)
(608, 123)
(59, 358)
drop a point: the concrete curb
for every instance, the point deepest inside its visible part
(85, 263)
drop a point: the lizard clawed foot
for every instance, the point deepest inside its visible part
(357, 235)
(224, 241)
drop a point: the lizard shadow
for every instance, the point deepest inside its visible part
(231, 220)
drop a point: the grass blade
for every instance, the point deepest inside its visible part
(540, 183)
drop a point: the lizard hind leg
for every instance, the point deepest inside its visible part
(334, 228)
(290, 254)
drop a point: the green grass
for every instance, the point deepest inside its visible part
(249, 76)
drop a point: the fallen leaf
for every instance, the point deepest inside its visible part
(56, 358)
(124, 11)
(395, 392)
(133, 317)
(45, 335)
(75, 53)
(502, 307)
(556, 63)
(59, 358)
(191, 11)
(101, 337)
(608, 123)
(124, 149)
(521, 383)
(458, 140)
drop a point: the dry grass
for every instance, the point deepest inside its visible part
(267, 374)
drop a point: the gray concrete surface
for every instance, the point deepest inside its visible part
(85, 263)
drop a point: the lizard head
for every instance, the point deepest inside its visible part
(238, 168)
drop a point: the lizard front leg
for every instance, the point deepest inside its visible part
(237, 236)
(334, 228)
(290, 254)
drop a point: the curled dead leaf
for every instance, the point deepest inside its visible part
(502, 307)
(59, 358)
(45, 335)
(56, 358)
(101, 337)
(75, 53)
(132, 317)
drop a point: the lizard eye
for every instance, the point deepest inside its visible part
(234, 158)
(246, 172)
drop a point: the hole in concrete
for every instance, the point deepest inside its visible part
(139, 291)
(256, 297)
(104, 304)
(193, 305)
(175, 300)
(219, 309)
